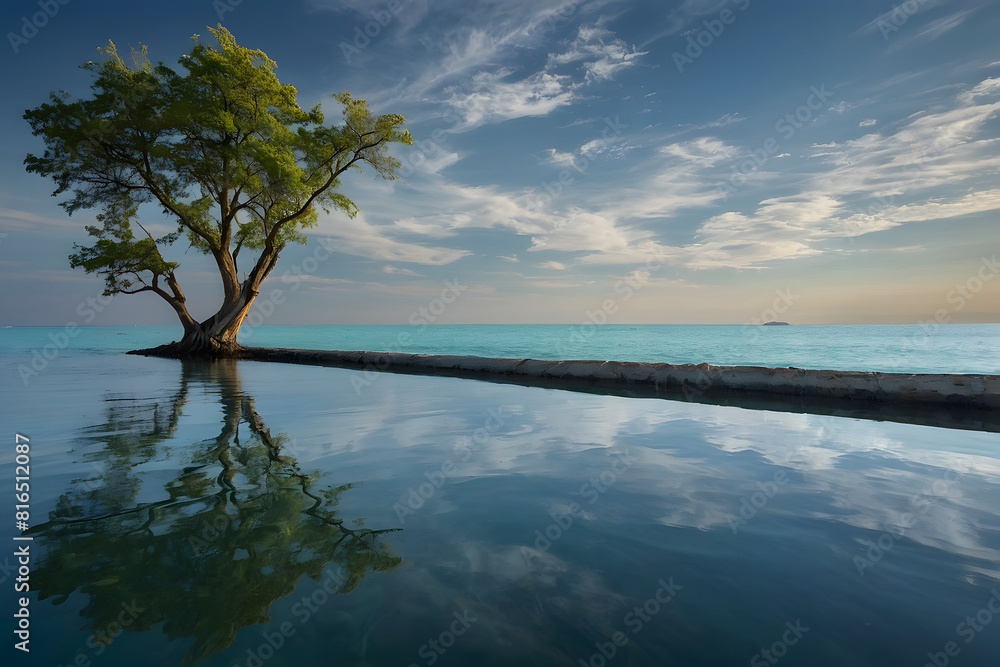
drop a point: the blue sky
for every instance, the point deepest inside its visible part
(677, 161)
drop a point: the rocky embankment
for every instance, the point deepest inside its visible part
(956, 401)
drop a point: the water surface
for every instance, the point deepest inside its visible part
(262, 514)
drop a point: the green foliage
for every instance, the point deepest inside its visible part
(118, 256)
(221, 146)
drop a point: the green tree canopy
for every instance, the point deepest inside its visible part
(223, 149)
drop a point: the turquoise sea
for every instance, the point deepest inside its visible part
(973, 348)
(968, 348)
(252, 514)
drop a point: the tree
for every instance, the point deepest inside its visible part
(224, 150)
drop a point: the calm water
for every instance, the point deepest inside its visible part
(973, 348)
(260, 514)
(970, 348)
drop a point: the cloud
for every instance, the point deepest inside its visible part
(931, 149)
(625, 224)
(887, 21)
(976, 202)
(723, 121)
(842, 107)
(47, 275)
(984, 88)
(934, 29)
(27, 221)
(355, 236)
(679, 178)
(437, 161)
(602, 54)
(560, 159)
(602, 223)
(703, 151)
(492, 99)
(488, 31)
(581, 230)
(791, 227)
(688, 12)
(395, 270)
(927, 151)
(781, 228)
(553, 265)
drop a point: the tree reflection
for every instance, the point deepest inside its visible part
(226, 537)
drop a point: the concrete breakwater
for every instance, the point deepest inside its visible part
(954, 401)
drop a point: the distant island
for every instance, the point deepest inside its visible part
(776, 324)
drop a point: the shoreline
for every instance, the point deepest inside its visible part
(969, 402)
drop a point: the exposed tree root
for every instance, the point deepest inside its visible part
(195, 347)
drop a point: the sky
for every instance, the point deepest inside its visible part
(680, 161)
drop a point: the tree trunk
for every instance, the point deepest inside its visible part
(215, 337)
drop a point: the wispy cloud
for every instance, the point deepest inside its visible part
(26, 221)
(553, 265)
(355, 236)
(723, 121)
(496, 96)
(491, 98)
(395, 270)
(933, 30)
(490, 33)
(896, 15)
(602, 54)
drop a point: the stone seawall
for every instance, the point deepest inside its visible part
(954, 401)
